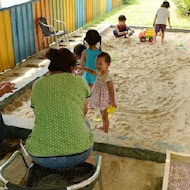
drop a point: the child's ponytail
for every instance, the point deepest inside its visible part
(92, 38)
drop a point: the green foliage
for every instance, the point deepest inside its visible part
(187, 3)
(183, 6)
(103, 17)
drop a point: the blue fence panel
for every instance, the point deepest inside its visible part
(23, 31)
(80, 13)
(109, 5)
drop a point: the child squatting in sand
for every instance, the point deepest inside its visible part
(121, 28)
(103, 92)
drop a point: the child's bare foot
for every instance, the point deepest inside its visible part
(101, 128)
(90, 160)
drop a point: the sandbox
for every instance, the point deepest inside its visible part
(152, 84)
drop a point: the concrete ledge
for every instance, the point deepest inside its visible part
(141, 154)
(129, 146)
(167, 29)
(12, 97)
(13, 132)
(25, 81)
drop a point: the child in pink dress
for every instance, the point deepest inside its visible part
(103, 92)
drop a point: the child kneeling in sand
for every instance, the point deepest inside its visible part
(121, 28)
(103, 92)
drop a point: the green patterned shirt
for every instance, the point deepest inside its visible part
(60, 128)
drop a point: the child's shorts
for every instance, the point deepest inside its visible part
(159, 27)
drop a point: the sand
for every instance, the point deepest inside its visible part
(152, 84)
(117, 173)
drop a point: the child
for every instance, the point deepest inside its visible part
(160, 20)
(89, 55)
(78, 49)
(103, 93)
(121, 28)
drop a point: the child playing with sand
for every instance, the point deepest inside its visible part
(103, 92)
(78, 49)
(89, 55)
(160, 20)
(121, 28)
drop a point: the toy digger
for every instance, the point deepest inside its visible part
(147, 34)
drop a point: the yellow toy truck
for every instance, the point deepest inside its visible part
(147, 34)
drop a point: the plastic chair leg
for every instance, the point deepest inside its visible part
(100, 181)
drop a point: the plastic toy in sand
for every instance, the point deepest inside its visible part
(147, 34)
(111, 109)
(131, 33)
(122, 49)
(181, 45)
(112, 57)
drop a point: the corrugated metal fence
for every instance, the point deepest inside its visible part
(21, 35)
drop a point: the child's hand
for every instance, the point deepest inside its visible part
(80, 70)
(12, 85)
(6, 87)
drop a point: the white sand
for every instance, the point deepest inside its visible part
(152, 84)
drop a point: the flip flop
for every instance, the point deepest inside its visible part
(98, 119)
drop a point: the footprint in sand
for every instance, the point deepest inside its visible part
(111, 172)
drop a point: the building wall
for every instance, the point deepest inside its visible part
(21, 35)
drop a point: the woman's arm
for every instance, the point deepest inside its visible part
(86, 106)
(112, 94)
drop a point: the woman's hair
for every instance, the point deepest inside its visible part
(122, 18)
(93, 37)
(106, 56)
(78, 49)
(61, 60)
(165, 4)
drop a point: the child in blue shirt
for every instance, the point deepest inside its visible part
(88, 58)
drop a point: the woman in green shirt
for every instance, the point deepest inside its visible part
(61, 137)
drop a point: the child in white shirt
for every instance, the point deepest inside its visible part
(160, 20)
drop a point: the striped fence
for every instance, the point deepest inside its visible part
(20, 34)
